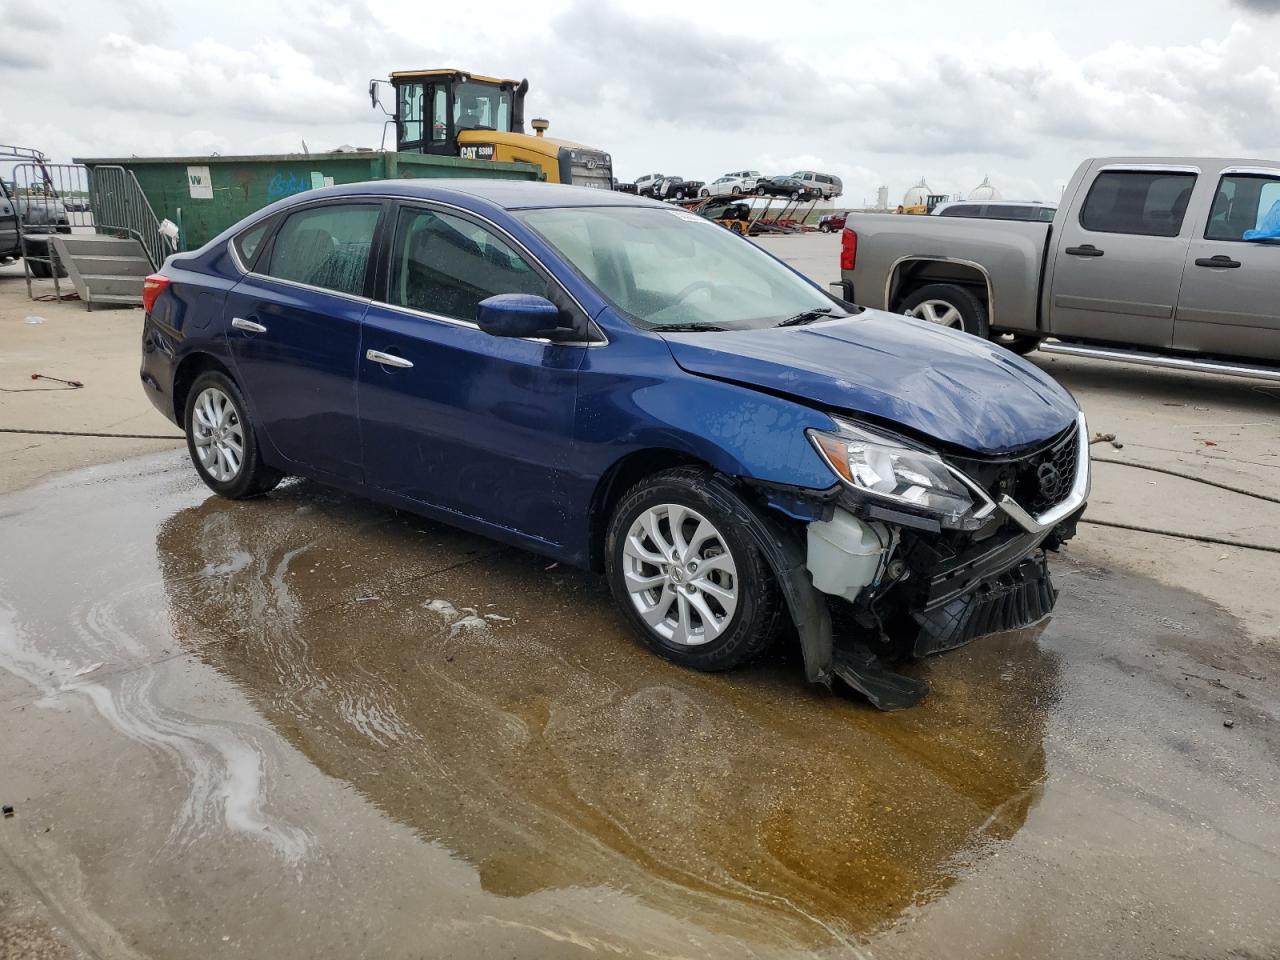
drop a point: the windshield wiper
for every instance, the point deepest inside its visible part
(807, 316)
(686, 327)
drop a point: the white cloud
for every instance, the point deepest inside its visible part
(695, 92)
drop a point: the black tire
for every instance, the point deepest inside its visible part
(824, 227)
(795, 194)
(759, 191)
(704, 192)
(253, 478)
(755, 621)
(1019, 343)
(973, 315)
(736, 191)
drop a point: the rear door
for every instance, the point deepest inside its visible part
(1118, 260)
(1230, 301)
(293, 330)
(451, 416)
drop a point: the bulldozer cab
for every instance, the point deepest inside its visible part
(434, 106)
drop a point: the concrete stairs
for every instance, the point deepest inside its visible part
(105, 270)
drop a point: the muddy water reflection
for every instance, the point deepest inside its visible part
(501, 708)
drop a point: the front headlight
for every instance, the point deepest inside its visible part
(886, 469)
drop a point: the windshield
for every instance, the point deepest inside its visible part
(481, 106)
(666, 268)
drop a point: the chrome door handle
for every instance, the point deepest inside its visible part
(240, 323)
(388, 360)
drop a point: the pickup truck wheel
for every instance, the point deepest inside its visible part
(1019, 343)
(948, 305)
(687, 576)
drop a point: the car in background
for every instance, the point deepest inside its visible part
(645, 184)
(997, 210)
(784, 186)
(733, 184)
(826, 185)
(1161, 261)
(677, 188)
(627, 387)
(623, 186)
(831, 222)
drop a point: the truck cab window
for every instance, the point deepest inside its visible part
(411, 112)
(481, 106)
(1149, 203)
(1241, 204)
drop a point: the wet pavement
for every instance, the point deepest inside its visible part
(310, 726)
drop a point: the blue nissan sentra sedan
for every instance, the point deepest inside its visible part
(625, 386)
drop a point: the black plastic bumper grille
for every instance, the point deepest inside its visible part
(1044, 479)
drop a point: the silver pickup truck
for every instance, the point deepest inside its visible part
(1157, 261)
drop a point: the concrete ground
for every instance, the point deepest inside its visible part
(308, 726)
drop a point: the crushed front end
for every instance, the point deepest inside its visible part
(931, 550)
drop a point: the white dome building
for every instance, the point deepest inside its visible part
(985, 191)
(918, 195)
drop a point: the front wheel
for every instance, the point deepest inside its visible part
(704, 192)
(222, 442)
(948, 305)
(759, 191)
(687, 576)
(736, 191)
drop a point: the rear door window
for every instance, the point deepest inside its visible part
(249, 243)
(1007, 211)
(1148, 203)
(446, 265)
(326, 246)
(964, 210)
(1243, 202)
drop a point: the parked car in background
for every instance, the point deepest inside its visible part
(831, 222)
(733, 184)
(826, 185)
(784, 186)
(645, 184)
(566, 370)
(40, 214)
(677, 188)
(623, 186)
(1169, 262)
(996, 210)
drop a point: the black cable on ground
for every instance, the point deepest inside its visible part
(1189, 476)
(1183, 536)
(81, 433)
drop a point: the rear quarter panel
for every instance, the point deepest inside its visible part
(1009, 254)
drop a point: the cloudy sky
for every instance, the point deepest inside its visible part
(879, 93)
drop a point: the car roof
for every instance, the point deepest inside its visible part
(503, 194)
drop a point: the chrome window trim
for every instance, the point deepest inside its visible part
(1149, 168)
(1074, 500)
(1250, 171)
(410, 201)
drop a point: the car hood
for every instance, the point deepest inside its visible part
(949, 386)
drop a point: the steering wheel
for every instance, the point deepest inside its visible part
(691, 289)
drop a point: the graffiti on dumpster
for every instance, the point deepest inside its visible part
(286, 185)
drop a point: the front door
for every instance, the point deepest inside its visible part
(293, 330)
(1118, 265)
(451, 416)
(1230, 302)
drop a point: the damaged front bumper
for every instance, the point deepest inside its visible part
(914, 589)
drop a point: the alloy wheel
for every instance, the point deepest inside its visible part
(218, 434)
(937, 311)
(680, 575)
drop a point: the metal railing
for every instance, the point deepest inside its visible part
(45, 199)
(119, 205)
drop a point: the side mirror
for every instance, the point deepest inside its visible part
(518, 315)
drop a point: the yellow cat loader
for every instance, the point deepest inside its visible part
(460, 114)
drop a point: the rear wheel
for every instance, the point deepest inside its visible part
(222, 442)
(759, 191)
(1019, 343)
(736, 191)
(948, 305)
(687, 576)
(704, 192)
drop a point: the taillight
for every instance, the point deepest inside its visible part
(848, 249)
(152, 287)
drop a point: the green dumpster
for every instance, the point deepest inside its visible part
(205, 195)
